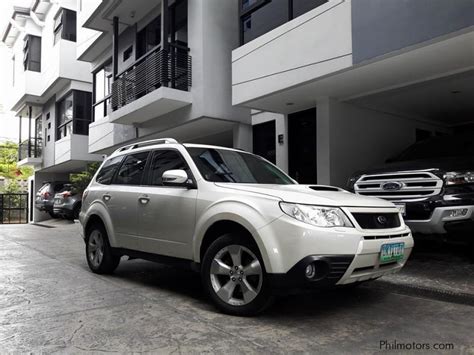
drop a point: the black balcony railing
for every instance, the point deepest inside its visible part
(30, 148)
(159, 67)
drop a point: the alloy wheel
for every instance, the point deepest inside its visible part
(236, 275)
(96, 248)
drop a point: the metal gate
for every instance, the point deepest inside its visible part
(13, 208)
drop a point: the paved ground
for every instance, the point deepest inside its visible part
(50, 302)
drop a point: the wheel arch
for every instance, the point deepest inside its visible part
(97, 214)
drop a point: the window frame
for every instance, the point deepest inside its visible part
(27, 52)
(149, 173)
(63, 126)
(108, 79)
(145, 169)
(115, 172)
(61, 23)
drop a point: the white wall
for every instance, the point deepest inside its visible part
(352, 138)
(314, 44)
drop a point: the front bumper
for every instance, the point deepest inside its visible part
(354, 253)
(441, 220)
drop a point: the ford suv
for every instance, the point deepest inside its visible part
(246, 226)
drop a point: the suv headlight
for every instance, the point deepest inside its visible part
(318, 216)
(458, 178)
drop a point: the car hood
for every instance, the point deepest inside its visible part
(439, 166)
(310, 194)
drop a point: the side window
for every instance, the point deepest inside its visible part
(58, 187)
(162, 161)
(107, 172)
(132, 169)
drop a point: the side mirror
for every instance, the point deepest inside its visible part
(175, 178)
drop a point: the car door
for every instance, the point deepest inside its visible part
(167, 215)
(121, 198)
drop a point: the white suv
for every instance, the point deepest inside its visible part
(248, 227)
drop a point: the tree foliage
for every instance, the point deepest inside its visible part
(8, 163)
(81, 180)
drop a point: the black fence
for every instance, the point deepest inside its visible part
(171, 68)
(30, 148)
(13, 208)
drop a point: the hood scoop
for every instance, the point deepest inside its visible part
(324, 188)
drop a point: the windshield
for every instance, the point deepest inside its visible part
(222, 165)
(440, 147)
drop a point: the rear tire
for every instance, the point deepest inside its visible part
(75, 212)
(234, 276)
(53, 215)
(99, 254)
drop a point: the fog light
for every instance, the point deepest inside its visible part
(458, 213)
(310, 271)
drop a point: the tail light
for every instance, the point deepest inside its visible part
(84, 194)
(46, 195)
(66, 194)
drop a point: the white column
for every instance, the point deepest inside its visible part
(242, 134)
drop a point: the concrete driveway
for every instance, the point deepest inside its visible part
(51, 302)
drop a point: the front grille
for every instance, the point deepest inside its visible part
(403, 186)
(390, 236)
(377, 220)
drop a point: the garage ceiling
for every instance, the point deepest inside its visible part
(449, 100)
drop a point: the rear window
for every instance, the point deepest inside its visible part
(108, 170)
(44, 188)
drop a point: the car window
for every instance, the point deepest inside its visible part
(162, 161)
(58, 187)
(221, 165)
(108, 170)
(44, 188)
(132, 169)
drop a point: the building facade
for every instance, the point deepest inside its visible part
(352, 83)
(50, 92)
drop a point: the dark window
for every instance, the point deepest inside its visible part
(149, 37)
(164, 160)
(127, 53)
(258, 17)
(65, 26)
(74, 114)
(222, 165)
(102, 91)
(301, 7)
(132, 169)
(108, 170)
(32, 53)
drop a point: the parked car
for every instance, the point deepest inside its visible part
(432, 182)
(67, 202)
(45, 196)
(249, 228)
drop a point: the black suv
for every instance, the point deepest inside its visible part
(432, 182)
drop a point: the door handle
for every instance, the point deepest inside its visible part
(144, 200)
(106, 197)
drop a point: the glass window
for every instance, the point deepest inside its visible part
(302, 6)
(74, 114)
(149, 37)
(102, 89)
(222, 165)
(164, 160)
(264, 19)
(32, 53)
(64, 117)
(108, 170)
(65, 26)
(132, 169)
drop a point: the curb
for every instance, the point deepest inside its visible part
(425, 292)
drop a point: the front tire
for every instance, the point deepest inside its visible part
(99, 255)
(234, 276)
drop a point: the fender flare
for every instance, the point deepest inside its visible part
(99, 210)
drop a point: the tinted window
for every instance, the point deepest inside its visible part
(162, 161)
(440, 147)
(302, 6)
(108, 170)
(221, 165)
(264, 19)
(132, 169)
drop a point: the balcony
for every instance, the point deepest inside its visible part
(156, 84)
(30, 152)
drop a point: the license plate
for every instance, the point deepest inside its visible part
(402, 208)
(392, 252)
(58, 200)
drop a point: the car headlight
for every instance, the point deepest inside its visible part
(459, 178)
(318, 216)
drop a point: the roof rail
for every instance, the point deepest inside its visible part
(146, 143)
